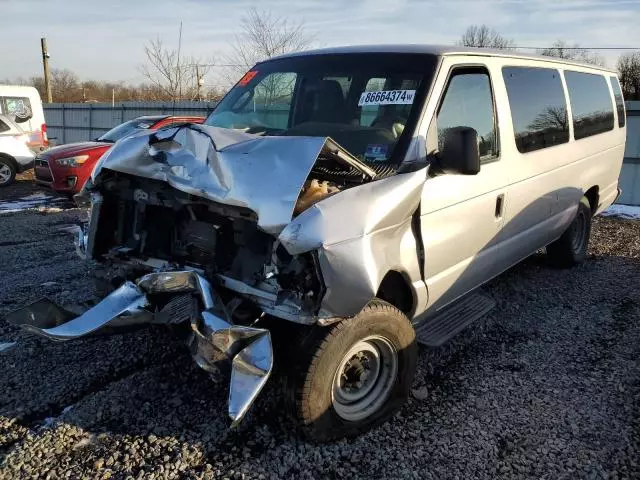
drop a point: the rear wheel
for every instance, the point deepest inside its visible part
(351, 376)
(7, 172)
(571, 248)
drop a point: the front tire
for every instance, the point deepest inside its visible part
(571, 248)
(7, 172)
(351, 376)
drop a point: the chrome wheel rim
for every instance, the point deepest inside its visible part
(364, 378)
(5, 173)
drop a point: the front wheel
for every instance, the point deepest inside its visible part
(7, 172)
(351, 376)
(571, 248)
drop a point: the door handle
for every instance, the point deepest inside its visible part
(499, 205)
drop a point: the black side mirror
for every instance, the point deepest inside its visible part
(460, 153)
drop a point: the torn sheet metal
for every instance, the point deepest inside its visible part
(252, 359)
(214, 339)
(263, 174)
(128, 301)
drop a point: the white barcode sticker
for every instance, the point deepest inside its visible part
(387, 97)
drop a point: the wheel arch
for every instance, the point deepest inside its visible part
(593, 195)
(395, 288)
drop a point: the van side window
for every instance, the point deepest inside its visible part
(591, 106)
(4, 127)
(468, 102)
(538, 107)
(617, 96)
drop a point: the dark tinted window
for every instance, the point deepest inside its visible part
(591, 106)
(538, 107)
(617, 95)
(4, 127)
(468, 102)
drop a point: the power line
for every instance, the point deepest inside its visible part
(577, 48)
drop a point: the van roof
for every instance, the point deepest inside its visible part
(441, 50)
(18, 88)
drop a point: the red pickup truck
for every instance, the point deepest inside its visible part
(67, 167)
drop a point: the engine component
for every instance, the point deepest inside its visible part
(312, 192)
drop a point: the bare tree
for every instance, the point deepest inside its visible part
(551, 119)
(65, 86)
(561, 49)
(264, 35)
(483, 36)
(175, 75)
(629, 70)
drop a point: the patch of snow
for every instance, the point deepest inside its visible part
(34, 201)
(623, 211)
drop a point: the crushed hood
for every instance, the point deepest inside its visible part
(263, 174)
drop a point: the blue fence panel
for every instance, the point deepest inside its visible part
(77, 122)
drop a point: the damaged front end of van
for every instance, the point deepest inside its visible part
(219, 231)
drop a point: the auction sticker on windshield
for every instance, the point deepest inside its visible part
(387, 97)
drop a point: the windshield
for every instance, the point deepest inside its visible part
(367, 102)
(125, 129)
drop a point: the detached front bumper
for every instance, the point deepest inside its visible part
(213, 338)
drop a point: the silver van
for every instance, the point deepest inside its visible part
(340, 206)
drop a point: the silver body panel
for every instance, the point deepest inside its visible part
(465, 244)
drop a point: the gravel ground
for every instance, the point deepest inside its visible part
(547, 386)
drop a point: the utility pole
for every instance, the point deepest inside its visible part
(178, 66)
(198, 82)
(45, 64)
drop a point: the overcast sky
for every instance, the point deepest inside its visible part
(104, 40)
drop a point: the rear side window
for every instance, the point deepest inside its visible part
(538, 107)
(468, 102)
(617, 96)
(4, 127)
(591, 106)
(18, 107)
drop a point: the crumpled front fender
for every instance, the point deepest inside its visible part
(360, 235)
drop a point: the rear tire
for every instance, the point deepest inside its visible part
(7, 172)
(571, 248)
(351, 376)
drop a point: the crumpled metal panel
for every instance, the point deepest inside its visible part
(360, 234)
(251, 351)
(263, 174)
(250, 370)
(128, 301)
(214, 339)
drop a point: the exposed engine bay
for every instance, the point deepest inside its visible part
(145, 225)
(144, 221)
